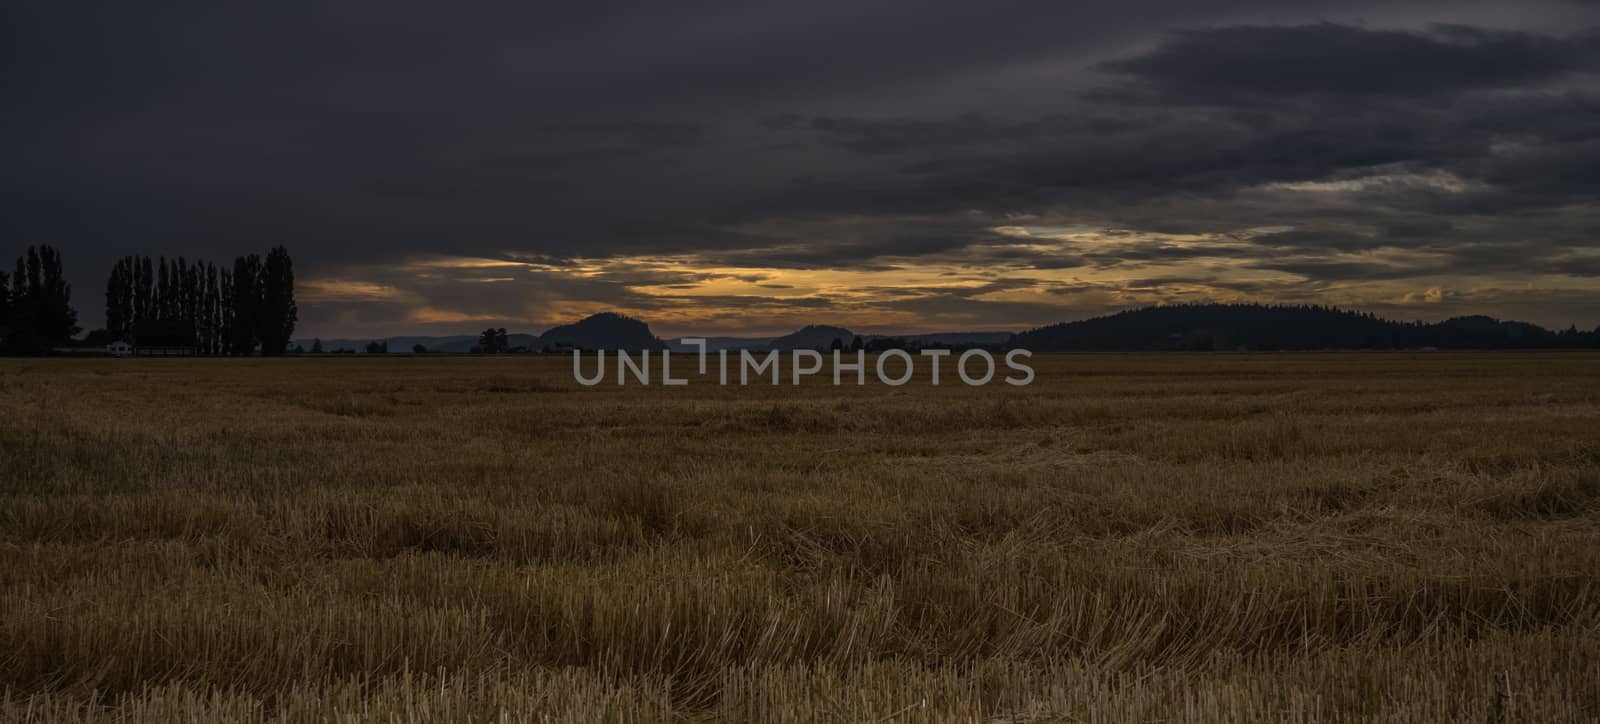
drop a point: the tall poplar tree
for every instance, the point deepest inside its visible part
(247, 305)
(40, 308)
(278, 312)
(59, 320)
(5, 309)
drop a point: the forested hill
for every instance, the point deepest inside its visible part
(1270, 327)
(606, 330)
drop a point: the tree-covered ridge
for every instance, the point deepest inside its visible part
(1286, 327)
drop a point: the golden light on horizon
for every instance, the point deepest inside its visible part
(1042, 273)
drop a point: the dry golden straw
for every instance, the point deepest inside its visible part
(1298, 537)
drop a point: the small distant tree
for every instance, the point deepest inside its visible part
(493, 341)
(419, 349)
(378, 347)
(316, 346)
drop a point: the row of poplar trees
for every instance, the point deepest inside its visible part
(242, 310)
(36, 303)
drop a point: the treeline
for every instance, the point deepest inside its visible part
(245, 309)
(237, 311)
(1220, 327)
(913, 345)
(36, 303)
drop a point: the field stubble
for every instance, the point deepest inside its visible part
(1192, 537)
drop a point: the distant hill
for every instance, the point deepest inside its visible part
(1176, 327)
(948, 338)
(813, 336)
(607, 330)
(1270, 327)
(434, 344)
(458, 343)
(463, 344)
(843, 335)
(715, 343)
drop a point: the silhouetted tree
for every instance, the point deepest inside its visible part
(278, 312)
(50, 296)
(225, 310)
(163, 291)
(378, 347)
(18, 337)
(246, 315)
(189, 292)
(140, 291)
(19, 285)
(209, 323)
(419, 349)
(493, 341)
(316, 346)
(119, 299)
(6, 320)
(145, 291)
(59, 317)
(39, 308)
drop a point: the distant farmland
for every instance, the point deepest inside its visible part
(1294, 537)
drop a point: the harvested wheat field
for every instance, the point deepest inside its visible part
(1295, 537)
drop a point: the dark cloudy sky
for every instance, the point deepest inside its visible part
(716, 166)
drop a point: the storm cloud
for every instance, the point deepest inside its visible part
(718, 166)
(1344, 60)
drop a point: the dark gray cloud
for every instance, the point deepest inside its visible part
(753, 141)
(1211, 64)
